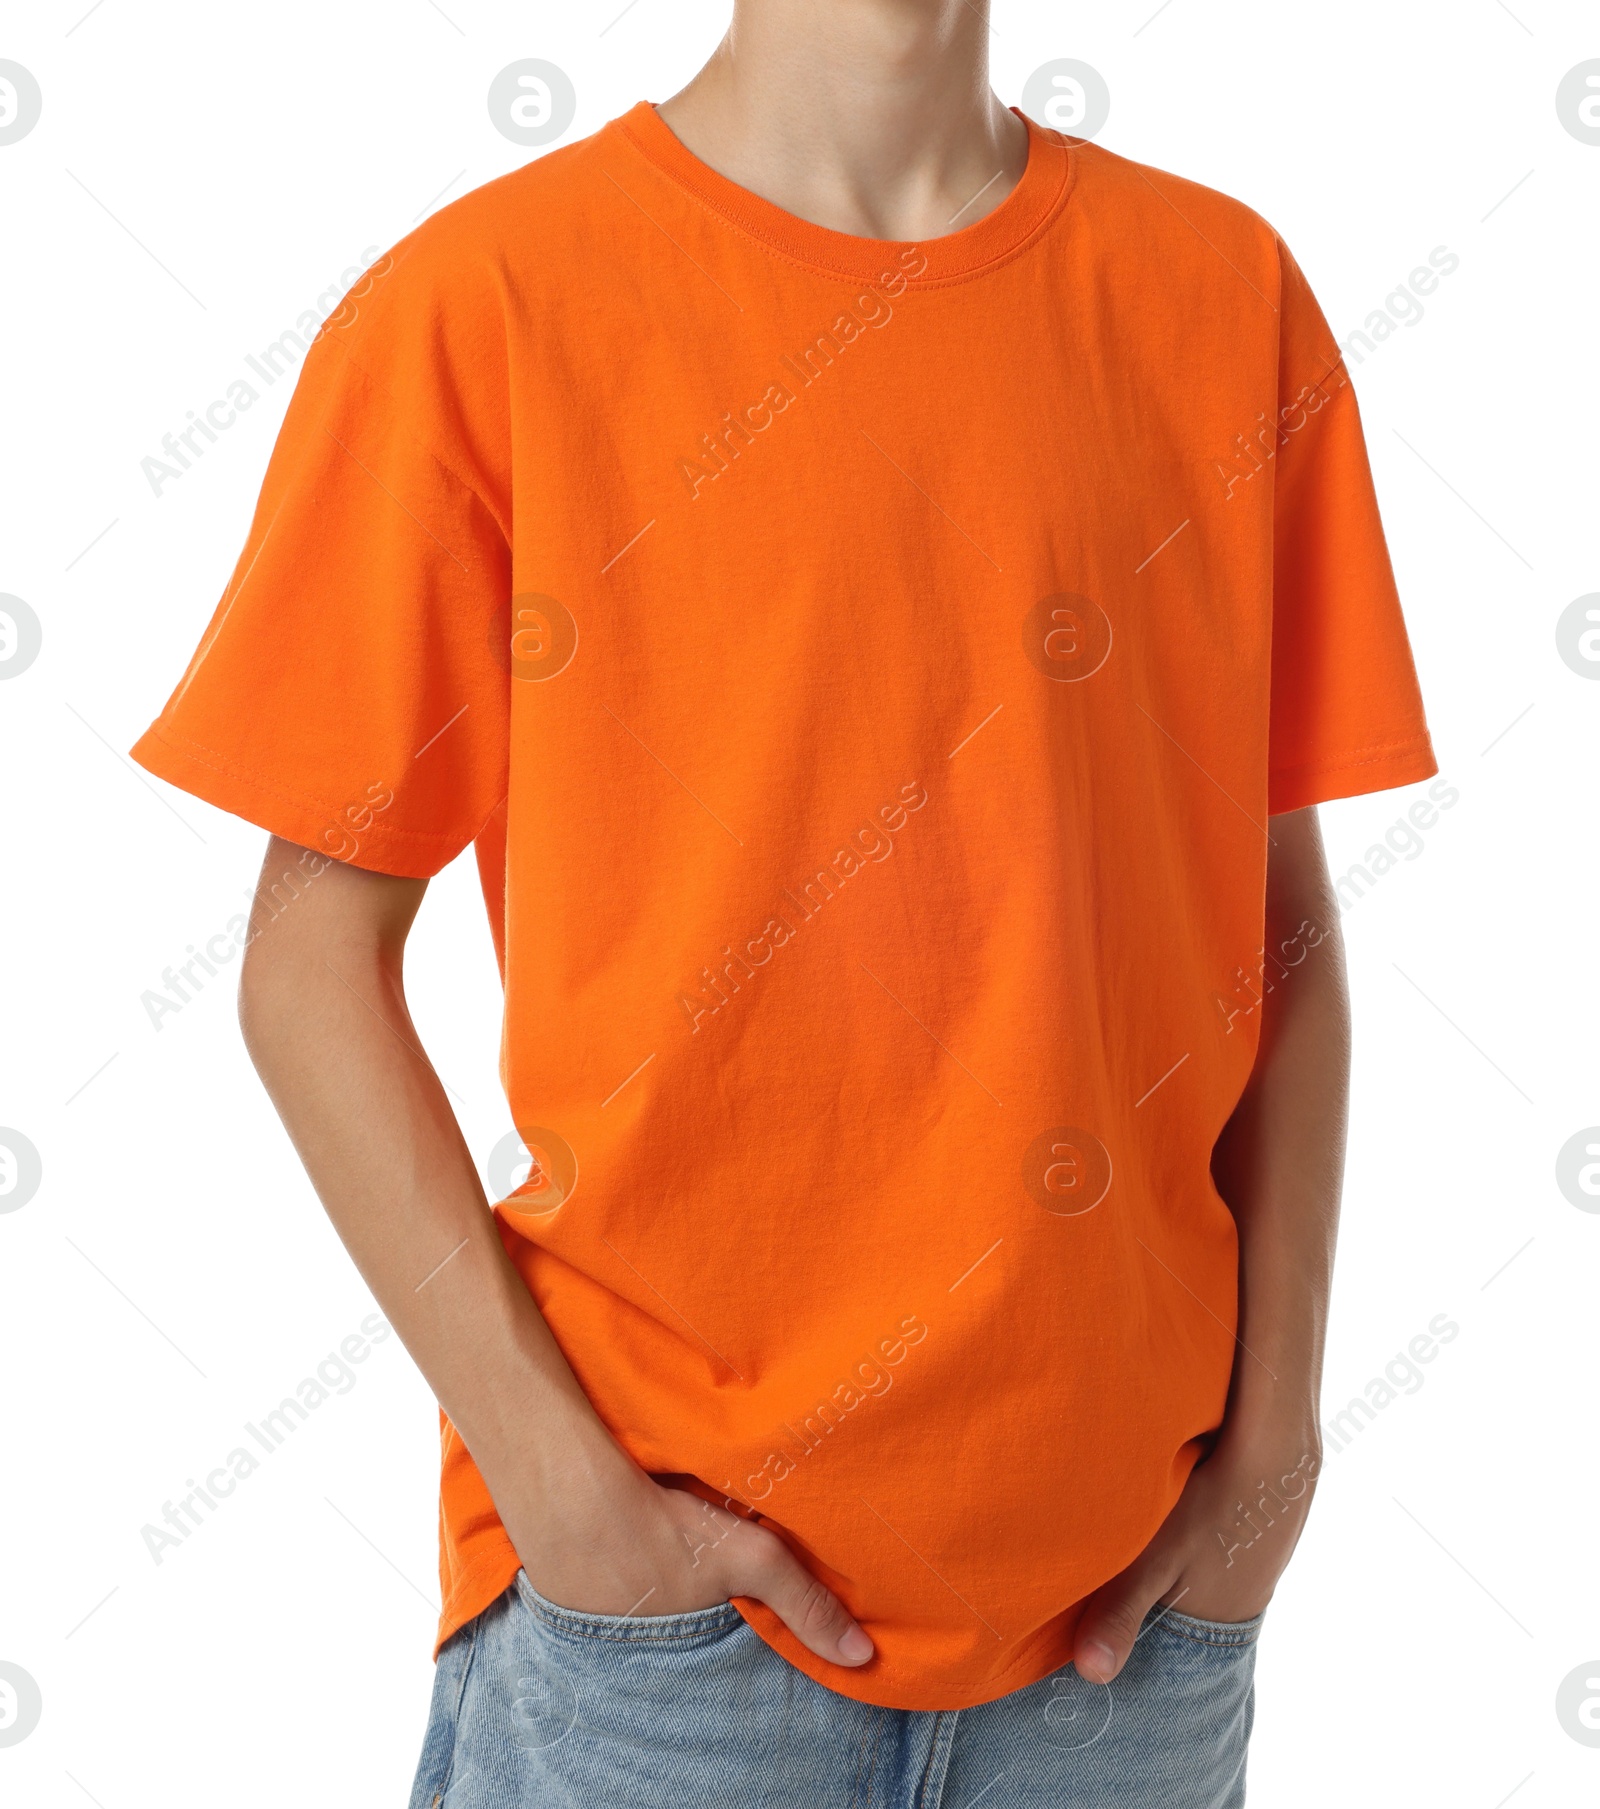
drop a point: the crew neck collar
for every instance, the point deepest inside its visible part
(1038, 195)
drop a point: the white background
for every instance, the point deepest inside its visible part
(200, 173)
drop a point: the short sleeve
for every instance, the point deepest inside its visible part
(1347, 715)
(349, 693)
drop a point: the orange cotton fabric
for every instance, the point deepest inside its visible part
(865, 671)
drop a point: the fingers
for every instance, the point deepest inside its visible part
(766, 1569)
(1110, 1623)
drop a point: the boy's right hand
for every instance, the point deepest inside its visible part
(607, 1539)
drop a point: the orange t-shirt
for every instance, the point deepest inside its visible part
(865, 672)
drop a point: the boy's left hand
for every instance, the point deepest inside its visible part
(1217, 1556)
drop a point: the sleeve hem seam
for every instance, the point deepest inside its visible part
(209, 758)
(1371, 756)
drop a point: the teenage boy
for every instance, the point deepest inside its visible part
(881, 587)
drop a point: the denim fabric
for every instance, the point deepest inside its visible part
(540, 1707)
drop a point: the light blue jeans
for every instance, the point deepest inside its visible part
(540, 1707)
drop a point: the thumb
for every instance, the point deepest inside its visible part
(1110, 1623)
(767, 1570)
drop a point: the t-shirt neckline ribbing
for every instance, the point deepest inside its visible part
(1039, 193)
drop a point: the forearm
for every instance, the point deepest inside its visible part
(326, 1023)
(1280, 1167)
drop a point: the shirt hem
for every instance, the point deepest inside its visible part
(876, 1686)
(480, 1586)
(494, 1572)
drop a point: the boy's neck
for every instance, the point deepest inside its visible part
(873, 117)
